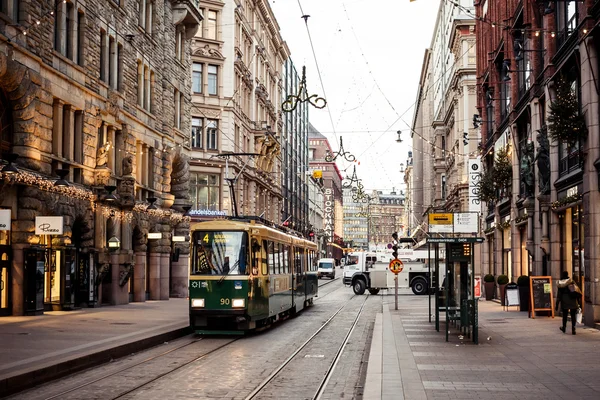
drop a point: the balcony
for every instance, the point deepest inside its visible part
(187, 12)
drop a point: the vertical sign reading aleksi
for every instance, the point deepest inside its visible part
(328, 217)
(474, 178)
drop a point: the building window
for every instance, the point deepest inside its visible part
(212, 127)
(145, 86)
(197, 77)
(212, 79)
(197, 133)
(179, 43)
(204, 191)
(566, 19)
(10, 8)
(68, 31)
(177, 113)
(211, 25)
(110, 61)
(489, 108)
(443, 187)
(569, 156)
(146, 15)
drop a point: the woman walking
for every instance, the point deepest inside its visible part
(568, 297)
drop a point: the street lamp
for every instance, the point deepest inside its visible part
(114, 243)
(9, 168)
(401, 168)
(61, 181)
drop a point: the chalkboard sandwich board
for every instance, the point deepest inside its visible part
(541, 294)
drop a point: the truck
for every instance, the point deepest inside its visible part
(369, 271)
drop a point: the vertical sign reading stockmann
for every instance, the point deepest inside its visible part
(474, 178)
(328, 217)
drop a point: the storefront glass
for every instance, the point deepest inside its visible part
(572, 235)
(506, 253)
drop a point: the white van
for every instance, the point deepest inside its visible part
(326, 268)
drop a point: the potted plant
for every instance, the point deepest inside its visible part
(502, 282)
(523, 283)
(488, 283)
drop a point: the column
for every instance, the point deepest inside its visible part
(112, 151)
(179, 276)
(139, 277)
(68, 130)
(165, 263)
(147, 94)
(57, 129)
(17, 276)
(72, 51)
(114, 60)
(61, 28)
(154, 275)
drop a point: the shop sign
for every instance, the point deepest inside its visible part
(441, 223)
(178, 238)
(4, 220)
(572, 191)
(49, 225)
(474, 178)
(477, 285)
(328, 217)
(154, 235)
(207, 213)
(466, 222)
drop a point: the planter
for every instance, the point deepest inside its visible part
(489, 290)
(502, 293)
(524, 298)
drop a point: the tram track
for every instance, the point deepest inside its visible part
(331, 368)
(134, 366)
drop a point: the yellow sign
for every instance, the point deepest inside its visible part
(317, 174)
(396, 266)
(441, 219)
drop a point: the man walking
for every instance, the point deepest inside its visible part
(568, 297)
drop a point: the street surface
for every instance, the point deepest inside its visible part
(196, 367)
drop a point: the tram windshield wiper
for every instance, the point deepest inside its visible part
(228, 272)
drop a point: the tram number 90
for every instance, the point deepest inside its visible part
(225, 302)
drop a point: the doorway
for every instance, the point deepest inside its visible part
(5, 265)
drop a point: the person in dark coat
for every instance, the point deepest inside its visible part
(568, 298)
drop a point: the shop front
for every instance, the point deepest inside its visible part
(570, 212)
(5, 263)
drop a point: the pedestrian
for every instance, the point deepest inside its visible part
(568, 296)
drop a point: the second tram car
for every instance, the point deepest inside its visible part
(245, 275)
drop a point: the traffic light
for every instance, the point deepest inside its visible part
(395, 244)
(465, 138)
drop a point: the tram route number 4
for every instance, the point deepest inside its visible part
(396, 266)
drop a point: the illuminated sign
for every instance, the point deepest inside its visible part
(208, 213)
(179, 239)
(154, 235)
(4, 220)
(474, 178)
(328, 214)
(49, 225)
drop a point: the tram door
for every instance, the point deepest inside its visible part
(299, 279)
(5, 263)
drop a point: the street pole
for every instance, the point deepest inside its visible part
(396, 289)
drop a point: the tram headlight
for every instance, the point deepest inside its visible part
(238, 303)
(198, 303)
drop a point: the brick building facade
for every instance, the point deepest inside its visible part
(96, 93)
(547, 218)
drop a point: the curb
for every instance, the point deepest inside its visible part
(17, 383)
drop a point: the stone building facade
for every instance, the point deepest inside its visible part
(96, 94)
(238, 58)
(547, 219)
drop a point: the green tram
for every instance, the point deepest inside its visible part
(245, 275)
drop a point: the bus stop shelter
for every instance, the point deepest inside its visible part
(455, 297)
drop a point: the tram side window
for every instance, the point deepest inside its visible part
(280, 257)
(301, 261)
(286, 258)
(263, 257)
(273, 258)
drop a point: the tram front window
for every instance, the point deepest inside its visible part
(219, 253)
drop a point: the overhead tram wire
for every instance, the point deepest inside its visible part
(305, 16)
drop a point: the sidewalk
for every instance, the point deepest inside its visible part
(40, 348)
(517, 357)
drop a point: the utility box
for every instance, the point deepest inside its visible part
(379, 279)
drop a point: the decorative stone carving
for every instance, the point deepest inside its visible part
(127, 166)
(526, 167)
(207, 51)
(102, 155)
(180, 177)
(126, 192)
(543, 161)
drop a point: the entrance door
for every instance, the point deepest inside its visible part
(35, 265)
(5, 263)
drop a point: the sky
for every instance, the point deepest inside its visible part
(369, 54)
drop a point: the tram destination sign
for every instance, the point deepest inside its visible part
(455, 240)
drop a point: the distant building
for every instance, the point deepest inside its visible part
(385, 216)
(355, 221)
(318, 146)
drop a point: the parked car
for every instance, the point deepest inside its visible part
(326, 267)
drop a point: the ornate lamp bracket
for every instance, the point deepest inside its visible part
(291, 102)
(331, 157)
